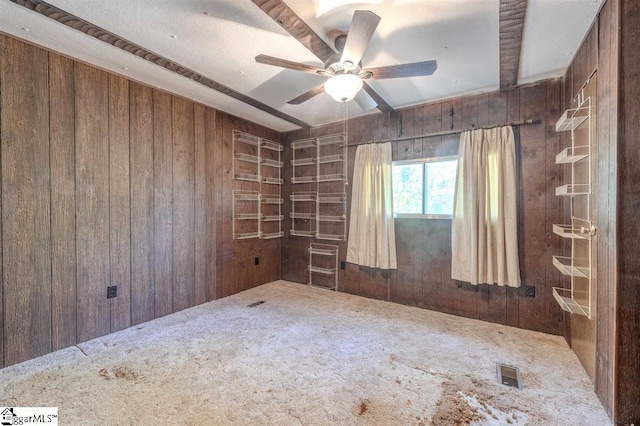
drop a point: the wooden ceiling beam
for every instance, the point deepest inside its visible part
(512, 14)
(108, 37)
(294, 25)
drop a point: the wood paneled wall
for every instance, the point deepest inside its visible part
(424, 245)
(627, 296)
(105, 181)
(611, 47)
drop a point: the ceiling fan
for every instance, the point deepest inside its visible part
(344, 70)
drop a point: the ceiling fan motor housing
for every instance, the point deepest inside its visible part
(335, 66)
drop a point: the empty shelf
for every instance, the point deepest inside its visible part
(323, 250)
(572, 155)
(303, 196)
(572, 118)
(303, 179)
(271, 163)
(564, 298)
(270, 145)
(298, 215)
(564, 265)
(272, 218)
(246, 158)
(575, 189)
(246, 195)
(337, 139)
(270, 200)
(329, 178)
(302, 233)
(333, 237)
(239, 136)
(248, 177)
(569, 231)
(324, 271)
(304, 143)
(303, 162)
(247, 235)
(247, 216)
(331, 159)
(325, 218)
(331, 198)
(272, 180)
(265, 236)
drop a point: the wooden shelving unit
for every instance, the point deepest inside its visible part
(257, 212)
(578, 298)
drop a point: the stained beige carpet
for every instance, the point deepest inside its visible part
(308, 356)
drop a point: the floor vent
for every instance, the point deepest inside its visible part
(254, 304)
(509, 376)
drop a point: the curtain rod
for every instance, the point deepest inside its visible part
(449, 132)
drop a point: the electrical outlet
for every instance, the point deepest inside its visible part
(343, 265)
(256, 261)
(530, 291)
(112, 291)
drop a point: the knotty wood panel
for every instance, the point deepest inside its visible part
(92, 200)
(183, 204)
(200, 243)
(627, 392)
(163, 202)
(119, 198)
(212, 199)
(63, 202)
(2, 313)
(225, 236)
(142, 217)
(26, 249)
(606, 198)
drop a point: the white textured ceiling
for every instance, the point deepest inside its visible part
(220, 38)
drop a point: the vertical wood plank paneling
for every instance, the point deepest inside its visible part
(119, 198)
(200, 224)
(26, 230)
(63, 202)
(212, 199)
(607, 131)
(163, 203)
(222, 180)
(183, 204)
(142, 213)
(92, 200)
(627, 365)
(225, 236)
(2, 310)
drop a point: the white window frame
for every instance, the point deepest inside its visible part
(423, 161)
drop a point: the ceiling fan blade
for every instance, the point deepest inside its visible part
(363, 25)
(307, 95)
(382, 104)
(414, 69)
(283, 63)
(287, 19)
(365, 101)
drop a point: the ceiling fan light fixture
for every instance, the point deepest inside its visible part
(343, 87)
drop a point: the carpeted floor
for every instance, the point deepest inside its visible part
(308, 356)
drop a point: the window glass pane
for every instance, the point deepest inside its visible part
(440, 181)
(407, 188)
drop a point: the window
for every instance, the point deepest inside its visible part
(424, 187)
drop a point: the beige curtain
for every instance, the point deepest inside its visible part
(484, 235)
(372, 240)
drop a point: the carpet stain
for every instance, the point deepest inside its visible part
(363, 407)
(122, 372)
